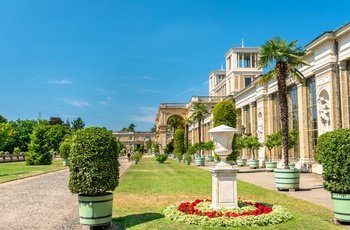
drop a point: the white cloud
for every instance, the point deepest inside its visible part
(147, 114)
(149, 91)
(148, 78)
(183, 92)
(80, 104)
(61, 82)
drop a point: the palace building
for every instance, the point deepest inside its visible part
(319, 104)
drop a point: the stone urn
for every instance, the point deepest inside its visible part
(222, 137)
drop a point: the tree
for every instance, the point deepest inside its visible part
(131, 127)
(283, 60)
(252, 143)
(272, 141)
(186, 123)
(224, 113)
(173, 123)
(198, 112)
(55, 121)
(179, 143)
(7, 136)
(154, 129)
(39, 149)
(78, 124)
(24, 129)
(2, 119)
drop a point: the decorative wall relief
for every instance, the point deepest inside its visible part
(324, 109)
(260, 129)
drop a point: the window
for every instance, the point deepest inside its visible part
(311, 116)
(293, 118)
(247, 81)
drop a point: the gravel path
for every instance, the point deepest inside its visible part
(41, 202)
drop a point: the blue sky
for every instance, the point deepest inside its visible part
(113, 62)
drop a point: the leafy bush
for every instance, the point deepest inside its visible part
(224, 113)
(65, 149)
(161, 157)
(333, 152)
(94, 168)
(179, 143)
(136, 157)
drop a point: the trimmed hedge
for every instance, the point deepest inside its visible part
(333, 152)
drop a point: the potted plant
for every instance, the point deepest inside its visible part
(288, 179)
(217, 159)
(64, 152)
(187, 158)
(241, 161)
(272, 141)
(209, 146)
(136, 158)
(161, 157)
(252, 143)
(94, 174)
(333, 153)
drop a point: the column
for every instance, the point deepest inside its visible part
(344, 94)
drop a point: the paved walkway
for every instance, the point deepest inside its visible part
(311, 187)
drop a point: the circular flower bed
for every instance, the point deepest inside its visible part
(247, 214)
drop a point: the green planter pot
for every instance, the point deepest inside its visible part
(287, 179)
(65, 162)
(341, 204)
(187, 162)
(95, 210)
(291, 165)
(270, 166)
(200, 161)
(209, 158)
(254, 164)
(135, 161)
(217, 161)
(231, 162)
(178, 159)
(241, 162)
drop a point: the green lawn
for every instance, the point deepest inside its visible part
(148, 187)
(18, 170)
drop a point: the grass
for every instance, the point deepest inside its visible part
(19, 170)
(148, 187)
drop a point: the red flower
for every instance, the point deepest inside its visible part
(190, 209)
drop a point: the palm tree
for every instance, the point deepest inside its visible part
(186, 123)
(282, 59)
(173, 123)
(198, 112)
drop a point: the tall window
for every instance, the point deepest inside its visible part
(276, 122)
(276, 111)
(248, 128)
(293, 118)
(311, 117)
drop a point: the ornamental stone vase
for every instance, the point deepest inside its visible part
(222, 137)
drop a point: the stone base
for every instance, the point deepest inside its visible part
(224, 188)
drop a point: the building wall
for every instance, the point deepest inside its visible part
(323, 98)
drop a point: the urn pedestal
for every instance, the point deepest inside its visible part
(224, 184)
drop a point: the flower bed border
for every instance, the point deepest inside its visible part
(249, 214)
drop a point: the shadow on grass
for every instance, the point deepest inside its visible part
(126, 222)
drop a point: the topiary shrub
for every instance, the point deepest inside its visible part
(333, 152)
(179, 143)
(161, 157)
(65, 149)
(94, 168)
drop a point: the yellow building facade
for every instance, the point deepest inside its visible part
(319, 104)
